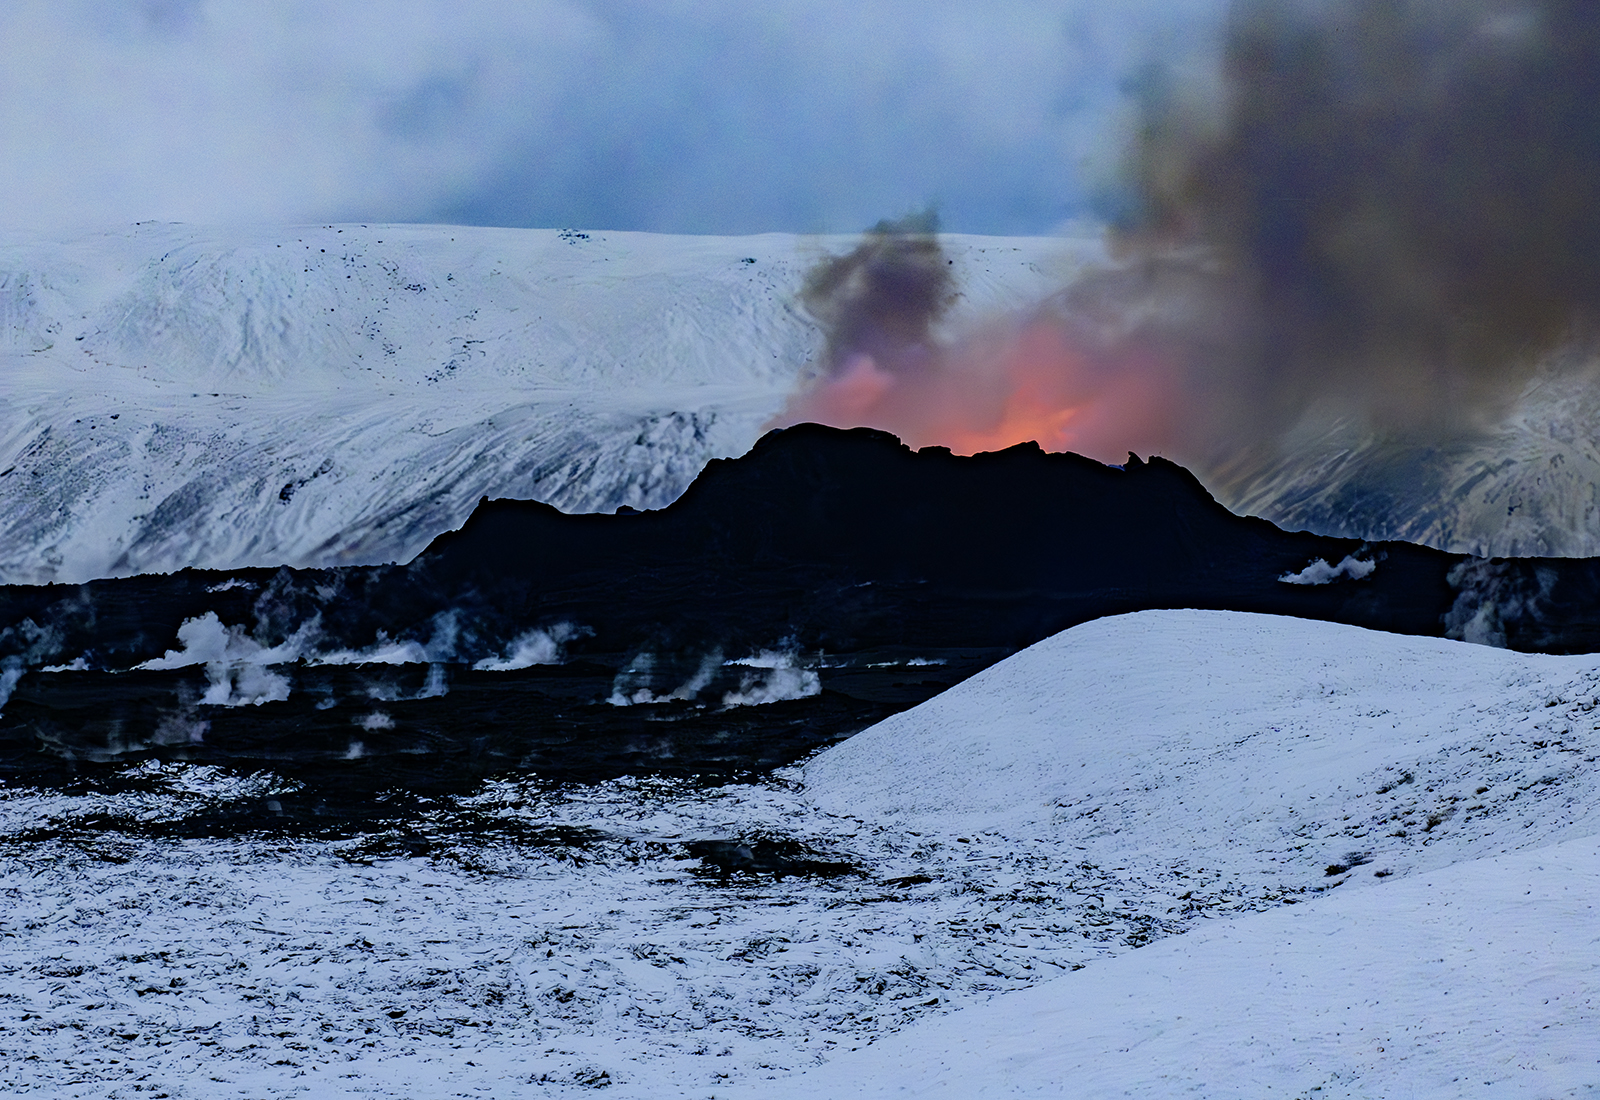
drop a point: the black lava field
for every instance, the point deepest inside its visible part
(870, 575)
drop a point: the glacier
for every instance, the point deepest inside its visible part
(336, 395)
(317, 396)
(1524, 483)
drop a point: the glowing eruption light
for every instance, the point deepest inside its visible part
(1050, 376)
(1013, 383)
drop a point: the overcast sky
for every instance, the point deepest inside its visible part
(713, 116)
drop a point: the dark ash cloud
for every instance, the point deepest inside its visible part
(883, 297)
(1400, 198)
(1382, 213)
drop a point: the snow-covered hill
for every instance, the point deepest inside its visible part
(1450, 793)
(1234, 855)
(342, 394)
(1480, 980)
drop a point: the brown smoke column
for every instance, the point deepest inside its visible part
(1403, 195)
(1383, 208)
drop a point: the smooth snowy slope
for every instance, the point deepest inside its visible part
(1442, 785)
(1479, 980)
(1166, 782)
(342, 394)
(1241, 739)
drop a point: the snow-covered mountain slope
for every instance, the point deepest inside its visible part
(342, 394)
(1527, 485)
(175, 396)
(1116, 817)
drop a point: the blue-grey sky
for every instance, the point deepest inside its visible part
(712, 116)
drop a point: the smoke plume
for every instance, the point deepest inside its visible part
(882, 298)
(1401, 197)
(1380, 209)
(1066, 375)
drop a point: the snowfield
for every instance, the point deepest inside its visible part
(1523, 485)
(341, 395)
(1480, 981)
(1179, 852)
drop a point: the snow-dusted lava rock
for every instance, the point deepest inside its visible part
(1233, 855)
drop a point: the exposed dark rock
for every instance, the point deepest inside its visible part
(767, 857)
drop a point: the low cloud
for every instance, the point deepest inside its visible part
(615, 114)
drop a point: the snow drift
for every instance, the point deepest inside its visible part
(1449, 795)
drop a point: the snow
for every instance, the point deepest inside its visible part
(331, 395)
(1478, 981)
(1520, 485)
(1181, 746)
(1253, 729)
(1171, 852)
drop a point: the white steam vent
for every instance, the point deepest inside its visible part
(236, 665)
(1320, 572)
(535, 647)
(774, 676)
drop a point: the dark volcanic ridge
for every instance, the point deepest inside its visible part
(787, 600)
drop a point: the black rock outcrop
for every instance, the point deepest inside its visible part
(845, 539)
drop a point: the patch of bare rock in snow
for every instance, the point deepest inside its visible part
(1171, 852)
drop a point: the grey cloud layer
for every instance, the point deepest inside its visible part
(710, 116)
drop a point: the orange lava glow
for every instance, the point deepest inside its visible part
(1010, 384)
